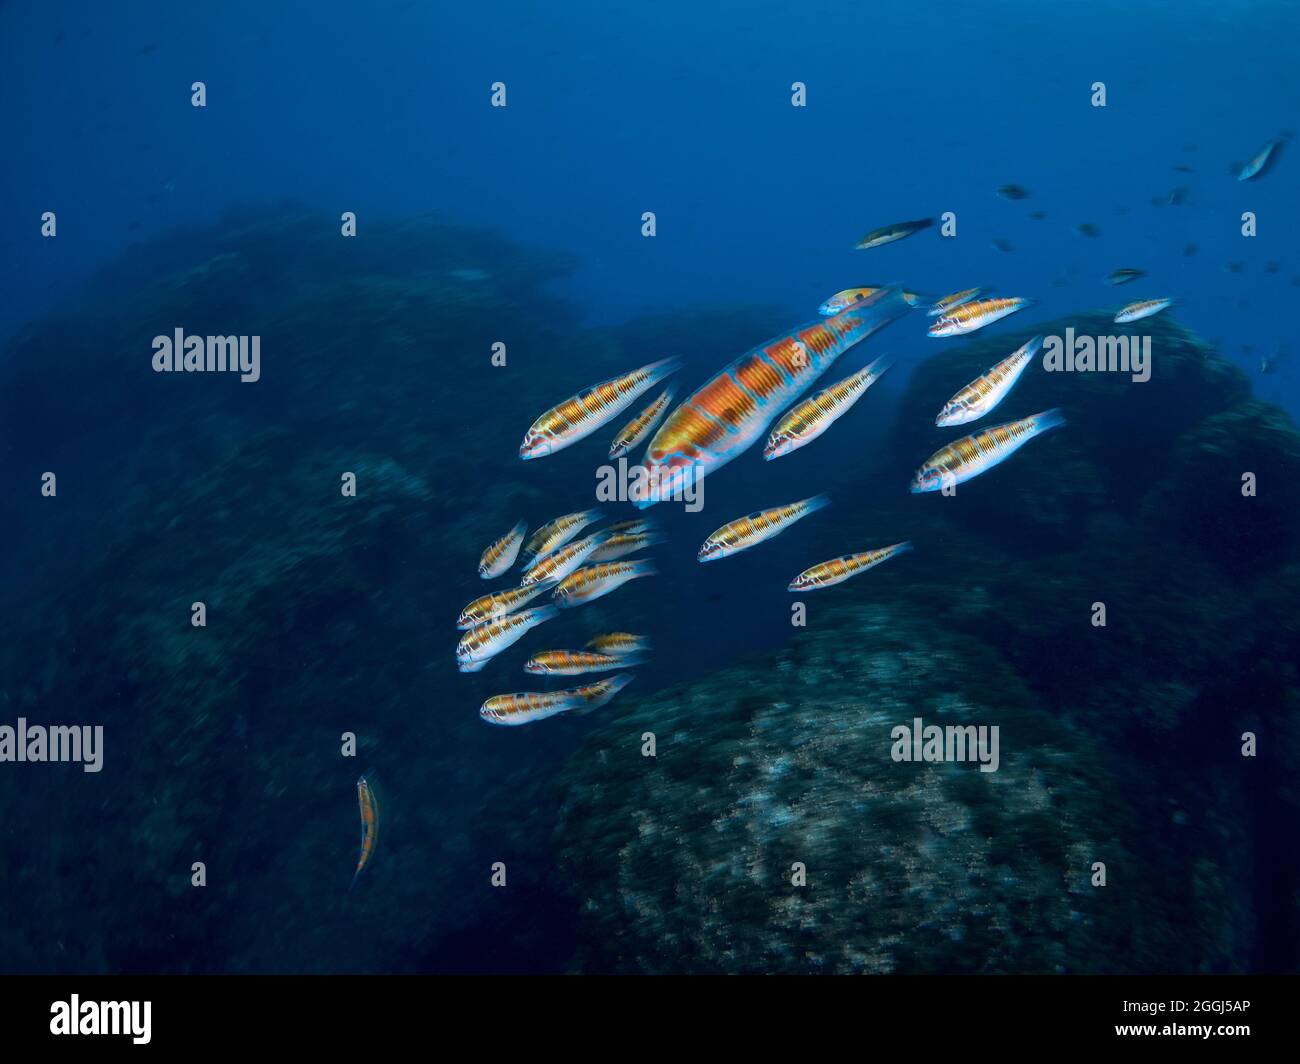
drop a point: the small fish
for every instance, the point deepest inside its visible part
(1087, 229)
(1235, 267)
(837, 570)
(501, 555)
(573, 662)
(1256, 165)
(633, 527)
(596, 581)
(1272, 267)
(1038, 216)
(560, 563)
(887, 234)
(807, 420)
(970, 456)
(999, 244)
(485, 641)
(986, 392)
(530, 706)
(954, 301)
(845, 299)
(1177, 197)
(635, 431)
(369, 824)
(525, 707)
(499, 603)
(1013, 192)
(618, 643)
(753, 529)
(1143, 308)
(602, 692)
(621, 544)
(582, 414)
(1185, 169)
(1189, 250)
(971, 316)
(555, 534)
(1124, 276)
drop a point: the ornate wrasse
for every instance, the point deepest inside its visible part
(972, 455)
(574, 662)
(618, 643)
(483, 642)
(975, 315)
(756, 528)
(530, 706)
(844, 299)
(369, 824)
(953, 301)
(887, 234)
(634, 433)
(580, 415)
(594, 581)
(555, 534)
(808, 419)
(501, 555)
(733, 410)
(837, 570)
(560, 563)
(498, 604)
(985, 392)
(1143, 308)
(621, 544)
(1257, 164)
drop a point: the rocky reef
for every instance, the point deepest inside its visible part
(1120, 744)
(329, 614)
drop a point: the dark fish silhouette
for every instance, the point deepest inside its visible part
(1013, 192)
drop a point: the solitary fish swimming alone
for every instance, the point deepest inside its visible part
(985, 392)
(753, 529)
(369, 824)
(1143, 308)
(837, 570)
(808, 419)
(1256, 165)
(971, 316)
(970, 456)
(887, 234)
(581, 415)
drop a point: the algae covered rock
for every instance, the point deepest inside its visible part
(684, 861)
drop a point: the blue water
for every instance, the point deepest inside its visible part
(683, 110)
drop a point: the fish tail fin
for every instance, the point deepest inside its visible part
(614, 685)
(1048, 419)
(817, 502)
(645, 567)
(545, 613)
(877, 366)
(665, 367)
(904, 547)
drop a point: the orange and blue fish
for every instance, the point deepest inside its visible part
(369, 824)
(501, 554)
(555, 534)
(988, 390)
(975, 315)
(580, 415)
(636, 431)
(808, 419)
(734, 409)
(837, 570)
(753, 529)
(595, 581)
(844, 299)
(972, 455)
(485, 641)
